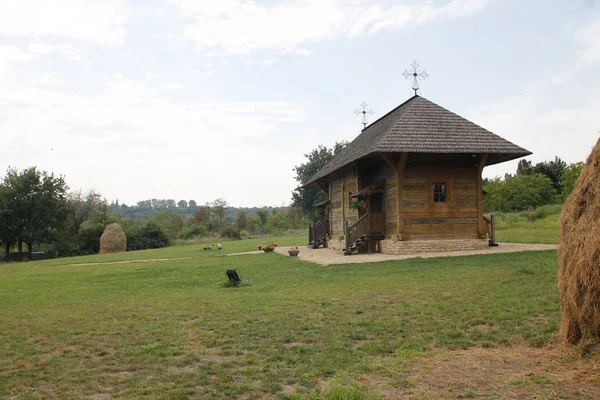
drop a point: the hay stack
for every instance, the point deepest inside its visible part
(113, 240)
(579, 255)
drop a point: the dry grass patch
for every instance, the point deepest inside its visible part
(517, 372)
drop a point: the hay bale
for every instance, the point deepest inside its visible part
(579, 256)
(113, 240)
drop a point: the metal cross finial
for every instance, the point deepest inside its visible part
(415, 75)
(364, 110)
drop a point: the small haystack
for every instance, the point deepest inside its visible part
(113, 240)
(579, 255)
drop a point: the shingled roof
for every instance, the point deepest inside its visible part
(421, 126)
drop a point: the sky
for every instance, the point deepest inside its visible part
(200, 100)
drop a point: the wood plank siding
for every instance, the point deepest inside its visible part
(423, 218)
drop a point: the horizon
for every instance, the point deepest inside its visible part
(181, 99)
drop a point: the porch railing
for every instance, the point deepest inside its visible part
(357, 229)
(370, 224)
(321, 229)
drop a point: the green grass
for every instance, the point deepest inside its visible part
(539, 226)
(294, 330)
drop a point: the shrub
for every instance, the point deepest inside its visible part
(231, 232)
(193, 231)
(518, 193)
(145, 236)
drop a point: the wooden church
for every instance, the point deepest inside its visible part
(411, 181)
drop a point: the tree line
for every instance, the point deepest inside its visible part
(38, 209)
(532, 186)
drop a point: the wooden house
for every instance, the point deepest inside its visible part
(411, 181)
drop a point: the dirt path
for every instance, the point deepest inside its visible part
(328, 257)
(128, 261)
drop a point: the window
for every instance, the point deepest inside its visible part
(439, 192)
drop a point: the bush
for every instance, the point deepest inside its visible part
(145, 236)
(518, 193)
(193, 231)
(231, 232)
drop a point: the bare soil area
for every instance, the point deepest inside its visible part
(502, 373)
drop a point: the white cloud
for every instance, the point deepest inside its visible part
(240, 26)
(270, 61)
(131, 135)
(553, 117)
(100, 21)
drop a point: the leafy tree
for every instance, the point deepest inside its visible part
(569, 177)
(144, 204)
(192, 204)
(240, 220)
(170, 203)
(202, 215)
(182, 204)
(518, 193)
(79, 208)
(524, 167)
(219, 213)
(553, 170)
(306, 198)
(35, 203)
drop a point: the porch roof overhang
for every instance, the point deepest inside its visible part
(369, 189)
(322, 204)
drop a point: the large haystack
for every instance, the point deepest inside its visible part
(579, 255)
(113, 240)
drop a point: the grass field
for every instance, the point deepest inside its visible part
(294, 330)
(539, 226)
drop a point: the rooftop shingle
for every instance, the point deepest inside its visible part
(421, 126)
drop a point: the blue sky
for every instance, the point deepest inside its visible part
(201, 99)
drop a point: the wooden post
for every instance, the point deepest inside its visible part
(481, 223)
(310, 234)
(399, 196)
(347, 237)
(493, 229)
(343, 181)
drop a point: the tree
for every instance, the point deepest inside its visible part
(79, 207)
(35, 202)
(192, 204)
(182, 204)
(569, 177)
(553, 170)
(240, 220)
(306, 198)
(524, 167)
(518, 193)
(219, 213)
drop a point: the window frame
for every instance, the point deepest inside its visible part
(444, 192)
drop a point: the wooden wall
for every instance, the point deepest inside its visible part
(336, 215)
(341, 185)
(426, 219)
(389, 207)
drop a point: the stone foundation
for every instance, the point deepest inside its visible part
(389, 246)
(430, 246)
(336, 244)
